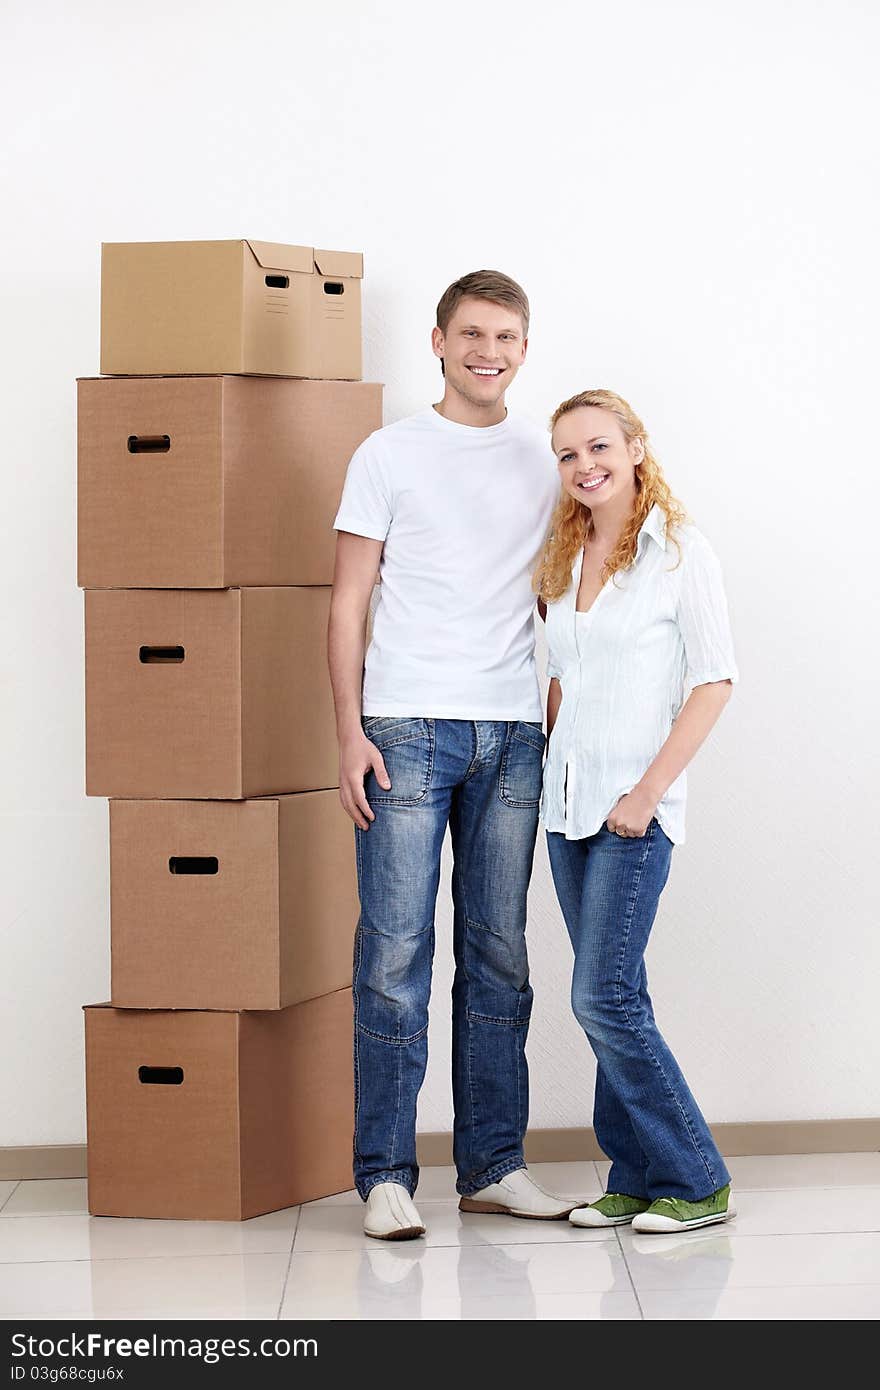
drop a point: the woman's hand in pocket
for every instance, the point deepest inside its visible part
(633, 814)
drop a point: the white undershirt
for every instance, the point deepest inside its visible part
(463, 512)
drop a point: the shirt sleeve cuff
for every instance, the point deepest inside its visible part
(370, 529)
(722, 673)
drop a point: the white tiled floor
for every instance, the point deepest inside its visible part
(805, 1245)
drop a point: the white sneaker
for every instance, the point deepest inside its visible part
(517, 1194)
(391, 1213)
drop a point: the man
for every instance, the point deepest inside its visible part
(451, 507)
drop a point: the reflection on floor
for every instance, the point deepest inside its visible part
(805, 1244)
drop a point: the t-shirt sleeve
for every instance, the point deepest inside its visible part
(703, 618)
(365, 508)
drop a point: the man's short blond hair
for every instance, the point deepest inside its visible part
(484, 284)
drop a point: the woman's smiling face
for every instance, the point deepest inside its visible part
(596, 464)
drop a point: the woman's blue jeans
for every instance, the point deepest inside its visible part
(644, 1116)
(482, 779)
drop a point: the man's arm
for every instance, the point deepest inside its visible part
(357, 562)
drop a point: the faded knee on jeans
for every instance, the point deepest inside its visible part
(498, 958)
(606, 1014)
(495, 970)
(392, 985)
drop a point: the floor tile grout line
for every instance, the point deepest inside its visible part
(683, 1291)
(459, 1245)
(425, 1202)
(723, 1228)
(15, 1186)
(632, 1282)
(452, 1245)
(39, 1215)
(289, 1263)
(194, 1224)
(700, 1288)
(67, 1314)
(332, 1250)
(732, 1288)
(728, 1230)
(433, 1202)
(108, 1259)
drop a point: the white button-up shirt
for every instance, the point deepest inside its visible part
(653, 633)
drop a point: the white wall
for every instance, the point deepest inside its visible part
(687, 193)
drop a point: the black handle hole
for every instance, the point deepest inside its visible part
(149, 443)
(156, 655)
(333, 287)
(160, 1076)
(193, 864)
(278, 282)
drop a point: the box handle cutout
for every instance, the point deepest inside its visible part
(333, 287)
(149, 443)
(160, 1076)
(278, 282)
(193, 864)
(161, 654)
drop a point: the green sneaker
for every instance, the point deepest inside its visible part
(614, 1209)
(675, 1214)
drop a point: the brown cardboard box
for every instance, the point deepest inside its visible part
(210, 482)
(169, 308)
(218, 1116)
(231, 904)
(202, 693)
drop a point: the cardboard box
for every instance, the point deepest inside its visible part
(231, 904)
(218, 1116)
(220, 694)
(169, 308)
(211, 482)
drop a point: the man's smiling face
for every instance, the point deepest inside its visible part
(482, 350)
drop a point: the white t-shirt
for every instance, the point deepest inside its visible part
(463, 512)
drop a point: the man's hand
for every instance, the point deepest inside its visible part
(633, 814)
(357, 562)
(357, 756)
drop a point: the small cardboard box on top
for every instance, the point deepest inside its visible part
(214, 482)
(218, 1116)
(231, 904)
(218, 694)
(171, 308)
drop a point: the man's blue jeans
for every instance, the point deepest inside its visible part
(644, 1116)
(483, 780)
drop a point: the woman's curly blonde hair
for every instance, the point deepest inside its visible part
(571, 524)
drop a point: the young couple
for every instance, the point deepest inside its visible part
(464, 515)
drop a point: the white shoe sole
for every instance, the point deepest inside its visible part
(651, 1223)
(470, 1204)
(399, 1233)
(595, 1220)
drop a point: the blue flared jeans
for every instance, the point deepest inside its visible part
(645, 1117)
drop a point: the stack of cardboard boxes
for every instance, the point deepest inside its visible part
(212, 454)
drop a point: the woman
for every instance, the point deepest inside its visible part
(635, 613)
